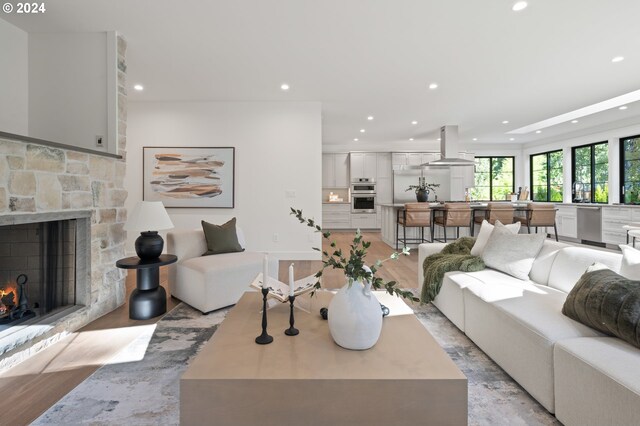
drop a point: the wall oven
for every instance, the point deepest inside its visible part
(363, 195)
(363, 203)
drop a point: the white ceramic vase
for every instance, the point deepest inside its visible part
(355, 317)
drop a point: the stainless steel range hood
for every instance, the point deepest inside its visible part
(449, 149)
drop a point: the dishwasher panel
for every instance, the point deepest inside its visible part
(590, 223)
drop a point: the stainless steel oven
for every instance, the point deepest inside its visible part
(363, 203)
(363, 186)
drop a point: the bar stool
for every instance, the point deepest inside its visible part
(453, 215)
(495, 211)
(539, 214)
(634, 234)
(633, 226)
(414, 215)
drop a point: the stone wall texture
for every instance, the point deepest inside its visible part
(37, 178)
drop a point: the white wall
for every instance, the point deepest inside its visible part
(278, 150)
(14, 94)
(69, 80)
(612, 136)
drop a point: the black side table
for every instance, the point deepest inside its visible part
(148, 300)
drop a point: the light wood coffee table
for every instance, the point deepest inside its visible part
(405, 379)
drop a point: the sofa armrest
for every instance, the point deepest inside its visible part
(425, 250)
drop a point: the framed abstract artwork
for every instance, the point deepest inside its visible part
(189, 176)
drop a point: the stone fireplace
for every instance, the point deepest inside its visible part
(68, 203)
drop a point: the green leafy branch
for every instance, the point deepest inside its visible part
(354, 266)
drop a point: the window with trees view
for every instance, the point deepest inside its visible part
(494, 178)
(630, 169)
(591, 169)
(546, 176)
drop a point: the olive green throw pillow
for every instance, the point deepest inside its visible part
(608, 302)
(221, 238)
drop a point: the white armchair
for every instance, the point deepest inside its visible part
(211, 282)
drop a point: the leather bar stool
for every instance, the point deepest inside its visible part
(495, 211)
(414, 215)
(634, 234)
(453, 215)
(539, 214)
(633, 226)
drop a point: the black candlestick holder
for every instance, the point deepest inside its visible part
(291, 331)
(264, 338)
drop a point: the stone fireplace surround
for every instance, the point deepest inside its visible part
(43, 180)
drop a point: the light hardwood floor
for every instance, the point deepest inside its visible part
(33, 386)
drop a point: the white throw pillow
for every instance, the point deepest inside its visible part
(630, 268)
(485, 232)
(512, 254)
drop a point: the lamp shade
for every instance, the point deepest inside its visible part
(148, 216)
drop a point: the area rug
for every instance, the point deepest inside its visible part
(144, 390)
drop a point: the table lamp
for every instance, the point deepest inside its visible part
(147, 215)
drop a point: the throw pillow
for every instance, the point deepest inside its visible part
(485, 232)
(630, 267)
(512, 254)
(221, 238)
(607, 302)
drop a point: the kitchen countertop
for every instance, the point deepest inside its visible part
(597, 205)
(336, 202)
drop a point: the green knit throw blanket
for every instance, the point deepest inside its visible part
(453, 257)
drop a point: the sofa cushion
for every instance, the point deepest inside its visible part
(630, 267)
(224, 261)
(491, 285)
(572, 262)
(221, 238)
(543, 262)
(597, 381)
(485, 232)
(608, 302)
(512, 254)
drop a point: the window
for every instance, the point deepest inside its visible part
(494, 178)
(630, 169)
(546, 176)
(591, 169)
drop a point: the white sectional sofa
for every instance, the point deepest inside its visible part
(576, 372)
(211, 282)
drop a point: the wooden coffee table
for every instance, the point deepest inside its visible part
(405, 379)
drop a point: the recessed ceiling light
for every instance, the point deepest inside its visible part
(505, 122)
(574, 121)
(475, 139)
(538, 131)
(410, 139)
(138, 87)
(355, 139)
(433, 86)
(617, 59)
(362, 130)
(438, 139)
(518, 6)
(512, 139)
(414, 122)
(370, 117)
(284, 86)
(623, 107)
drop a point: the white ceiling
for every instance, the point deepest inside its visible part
(377, 57)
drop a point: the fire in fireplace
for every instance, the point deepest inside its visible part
(14, 304)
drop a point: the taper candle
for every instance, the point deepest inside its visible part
(291, 283)
(265, 271)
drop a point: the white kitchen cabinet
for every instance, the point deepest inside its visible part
(335, 170)
(384, 168)
(414, 159)
(341, 162)
(613, 219)
(398, 159)
(364, 221)
(363, 165)
(566, 221)
(336, 216)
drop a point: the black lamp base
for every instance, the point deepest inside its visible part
(149, 245)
